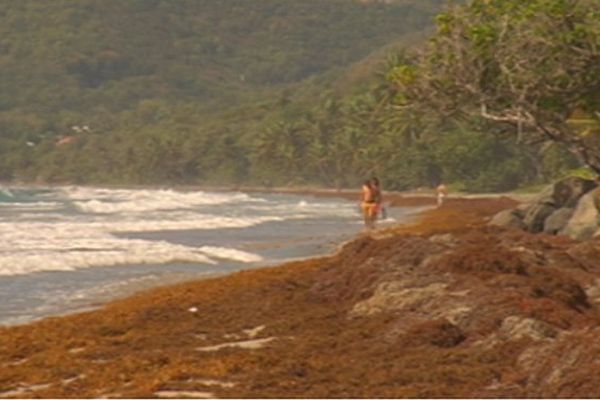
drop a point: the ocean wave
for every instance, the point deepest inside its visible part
(82, 227)
(119, 253)
(38, 205)
(83, 242)
(179, 221)
(6, 195)
(307, 209)
(110, 251)
(109, 201)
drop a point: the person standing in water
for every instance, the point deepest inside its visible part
(378, 197)
(442, 192)
(368, 204)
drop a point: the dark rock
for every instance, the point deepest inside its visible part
(439, 333)
(550, 211)
(568, 191)
(536, 216)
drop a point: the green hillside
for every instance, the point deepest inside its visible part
(175, 90)
(82, 54)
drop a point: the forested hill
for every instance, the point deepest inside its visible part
(174, 91)
(83, 54)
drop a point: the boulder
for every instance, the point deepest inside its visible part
(551, 210)
(567, 192)
(558, 220)
(536, 216)
(508, 219)
(585, 222)
(521, 210)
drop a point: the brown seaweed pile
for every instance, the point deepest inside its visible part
(444, 307)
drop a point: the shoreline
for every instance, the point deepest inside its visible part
(409, 197)
(172, 318)
(90, 288)
(101, 298)
(416, 201)
(442, 306)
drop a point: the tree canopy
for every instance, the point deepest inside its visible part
(532, 65)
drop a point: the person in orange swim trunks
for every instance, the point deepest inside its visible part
(368, 204)
(378, 197)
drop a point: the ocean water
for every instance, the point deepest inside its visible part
(67, 249)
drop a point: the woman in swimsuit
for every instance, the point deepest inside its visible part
(369, 204)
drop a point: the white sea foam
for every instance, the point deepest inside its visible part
(231, 254)
(67, 245)
(307, 209)
(80, 227)
(105, 201)
(6, 192)
(176, 221)
(77, 228)
(39, 205)
(97, 251)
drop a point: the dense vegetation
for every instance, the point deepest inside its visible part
(343, 141)
(533, 66)
(221, 92)
(168, 89)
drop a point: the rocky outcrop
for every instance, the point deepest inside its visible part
(509, 219)
(569, 207)
(557, 220)
(567, 192)
(585, 221)
(536, 216)
(489, 293)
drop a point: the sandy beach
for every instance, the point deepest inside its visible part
(441, 307)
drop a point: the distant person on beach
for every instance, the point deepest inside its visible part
(378, 197)
(442, 192)
(368, 204)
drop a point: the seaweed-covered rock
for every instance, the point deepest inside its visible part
(396, 296)
(515, 327)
